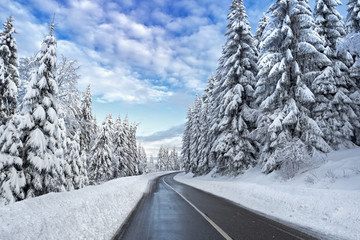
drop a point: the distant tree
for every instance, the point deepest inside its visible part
(87, 123)
(101, 168)
(185, 149)
(205, 141)
(195, 134)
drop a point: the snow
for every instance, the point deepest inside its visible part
(93, 212)
(323, 199)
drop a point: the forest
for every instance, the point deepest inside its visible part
(49, 138)
(282, 96)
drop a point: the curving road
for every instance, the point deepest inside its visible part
(174, 211)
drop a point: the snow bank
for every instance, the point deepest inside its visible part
(94, 212)
(324, 199)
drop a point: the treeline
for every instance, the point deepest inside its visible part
(280, 96)
(168, 160)
(49, 139)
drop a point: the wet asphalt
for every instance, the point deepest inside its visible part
(162, 214)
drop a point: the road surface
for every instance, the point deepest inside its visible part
(174, 211)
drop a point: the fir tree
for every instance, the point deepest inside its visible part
(87, 128)
(353, 17)
(78, 173)
(185, 149)
(101, 168)
(9, 75)
(12, 178)
(233, 148)
(195, 134)
(290, 56)
(204, 165)
(260, 30)
(41, 136)
(119, 154)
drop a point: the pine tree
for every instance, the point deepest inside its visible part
(12, 178)
(352, 44)
(40, 126)
(195, 134)
(87, 128)
(9, 75)
(353, 17)
(174, 160)
(78, 173)
(332, 88)
(290, 56)
(185, 149)
(260, 30)
(127, 149)
(237, 69)
(119, 160)
(204, 165)
(101, 169)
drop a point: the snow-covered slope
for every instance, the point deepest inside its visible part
(325, 198)
(94, 212)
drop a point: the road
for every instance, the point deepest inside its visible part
(174, 211)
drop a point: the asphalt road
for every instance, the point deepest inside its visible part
(174, 211)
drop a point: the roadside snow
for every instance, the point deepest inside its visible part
(93, 212)
(324, 199)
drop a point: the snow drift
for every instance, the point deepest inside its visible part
(93, 212)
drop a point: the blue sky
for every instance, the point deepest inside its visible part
(143, 58)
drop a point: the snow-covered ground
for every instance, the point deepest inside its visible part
(94, 212)
(325, 198)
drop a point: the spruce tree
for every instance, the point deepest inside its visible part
(41, 136)
(101, 168)
(353, 17)
(185, 149)
(291, 55)
(119, 154)
(87, 128)
(78, 174)
(204, 165)
(12, 178)
(195, 134)
(9, 75)
(237, 69)
(333, 110)
(260, 30)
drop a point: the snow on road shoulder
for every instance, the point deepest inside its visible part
(324, 199)
(94, 212)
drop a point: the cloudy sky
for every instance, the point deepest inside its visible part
(143, 58)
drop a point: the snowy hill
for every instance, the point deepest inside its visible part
(93, 212)
(323, 199)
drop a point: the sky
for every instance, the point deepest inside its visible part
(143, 58)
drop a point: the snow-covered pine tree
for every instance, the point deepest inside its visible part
(119, 159)
(87, 128)
(101, 169)
(78, 177)
(9, 75)
(12, 178)
(204, 166)
(40, 126)
(195, 134)
(185, 149)
(133, 149)
(353, 17)
(352, 44)
(260, 29)
(233, 148)
(127, 149)
(332, 88)
(174, 159)
(289, 50)
(143, 168)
